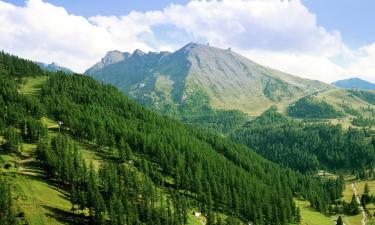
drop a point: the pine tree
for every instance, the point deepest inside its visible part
(298, 215)
(339, 221)
(366, 190)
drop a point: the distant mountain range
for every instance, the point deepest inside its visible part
(198, 76)
(354, 83)
(53, 67)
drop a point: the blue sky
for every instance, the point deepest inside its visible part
(317, 39)
(355, 19)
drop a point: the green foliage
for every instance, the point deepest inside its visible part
(306, 147)
(101, 113)
(364, 95)
(311, 108)
(6, 214)
(114, 190)
(33, 130)
(196, 110)
(17, 67)
(182, 152)
(13, 140)
(352, 208)
(362, 121)
(339, 221)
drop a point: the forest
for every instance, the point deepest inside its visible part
(308, 146)
(310, 108)
(156, 168)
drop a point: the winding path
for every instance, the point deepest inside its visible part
(364, 216)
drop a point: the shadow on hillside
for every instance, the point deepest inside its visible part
(65, 217)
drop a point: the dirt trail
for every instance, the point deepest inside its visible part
(364, 216)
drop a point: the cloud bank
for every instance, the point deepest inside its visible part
(280, 34)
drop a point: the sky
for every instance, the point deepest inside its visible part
(316, 39)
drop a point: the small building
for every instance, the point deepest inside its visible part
(197, 214)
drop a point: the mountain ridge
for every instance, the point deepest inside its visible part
(354, 82)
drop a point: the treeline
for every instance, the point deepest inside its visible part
(307, 147)
(196, 111)
(17, 67)
(311, 108)
(220, 121)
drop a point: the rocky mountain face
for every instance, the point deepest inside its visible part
(198, 77)
(354, 83)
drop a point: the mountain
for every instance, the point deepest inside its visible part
(53, 67)
(199, 76)
(110, 58)
(354, 83)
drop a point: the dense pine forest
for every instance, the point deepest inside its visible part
(307, 146)
(154, 170)
(310, 108)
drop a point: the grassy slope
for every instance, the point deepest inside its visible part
(311, 216)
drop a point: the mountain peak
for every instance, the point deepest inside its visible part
(139, 52)
(112, 57)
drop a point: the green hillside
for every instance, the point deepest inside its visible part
(75, 151)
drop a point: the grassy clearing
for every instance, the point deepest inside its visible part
(193, 220)
(32, 85)
(39, 200)
(310, 216)
(89, 153)
(352, 220)
(51, 124)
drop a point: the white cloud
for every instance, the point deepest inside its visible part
(363, 63)
(279, 34)
(44, 32)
